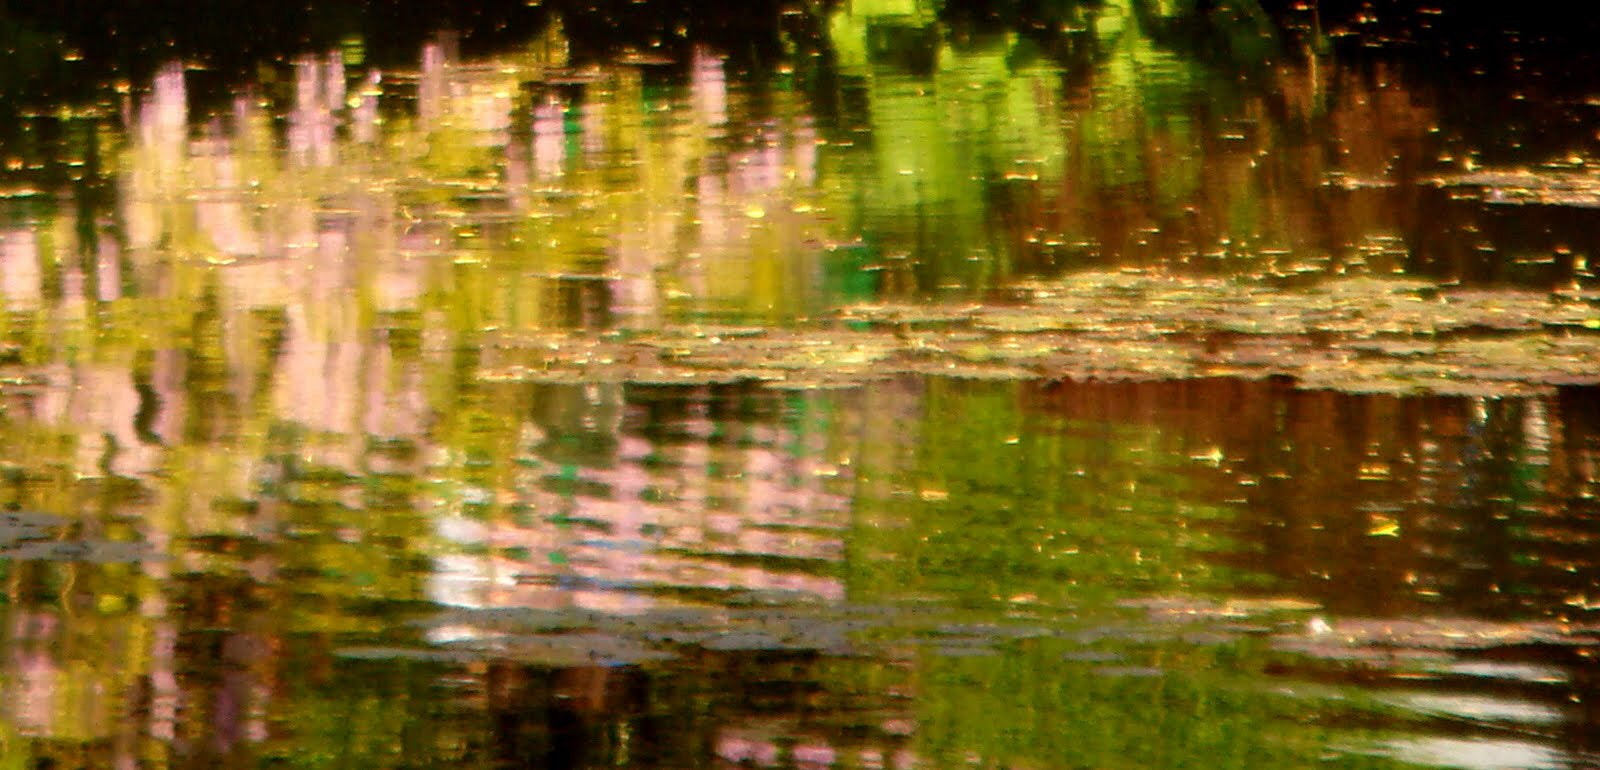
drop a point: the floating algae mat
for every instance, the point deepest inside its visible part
(575, 636)
(1360, 335)
(1576, 186)
(18, 526)
(35, 536)
(1145, 638)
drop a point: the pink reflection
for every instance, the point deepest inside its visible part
(45, 692)
(473, 97)
(594, 125)
(311, 135)
(74, 291)
(517, 174)
(399, 284)
(814, 754)
(662, 526)
(708, 86)
(168, 372)
(364, 118)
(223, 211)
(756, 171)
(20, 273)
(161, 128)
(740, 750)
(549, 138)
(164, 120)
(33, 690)
(487, 109)
(431, 87)
(105, 401)
(333, 85)
(165, 696)
(805, 154)
(101, 404)
(108, 269)
(318, 379)
(396, 406)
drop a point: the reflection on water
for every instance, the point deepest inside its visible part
(1050, 501)
(614, 492)
(251, 459)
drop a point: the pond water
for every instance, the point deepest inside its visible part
(859, 384)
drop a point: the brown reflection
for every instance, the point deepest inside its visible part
(1382, 505)
(567, 718)
(1314, 175)
(596, 717)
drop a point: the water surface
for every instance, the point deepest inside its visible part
(860, 384)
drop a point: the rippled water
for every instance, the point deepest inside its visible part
(579, 386)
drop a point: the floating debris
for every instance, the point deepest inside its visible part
(411, 654)
(1091, 656)
(1129, 672)
(17, 526)
(582, 637)
(1391, 636)
(1571, 188)
(1356, 335)
(1168, 608)
(91, 551)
